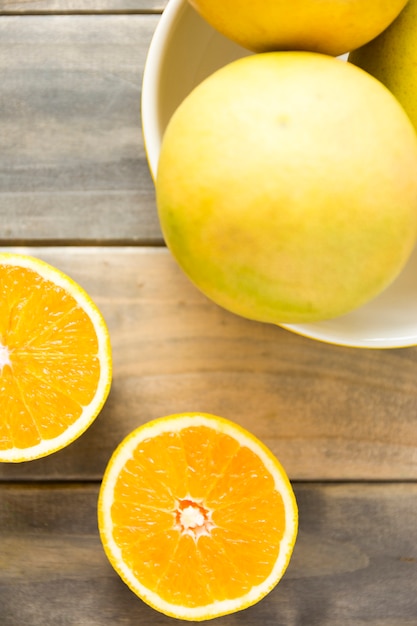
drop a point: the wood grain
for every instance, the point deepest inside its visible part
(25, 7)
(327, 412)
(72, 161)
(354, 564)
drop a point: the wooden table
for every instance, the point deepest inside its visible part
(75, 190)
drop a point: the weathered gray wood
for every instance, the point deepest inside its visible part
(80, 6)
(354, 563)
(328, 412)
(72, 161)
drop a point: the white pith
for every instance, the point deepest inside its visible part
(193, 518)
(4, 357)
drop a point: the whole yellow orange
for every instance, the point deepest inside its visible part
(287, 187)
(392, 58)
(330, 26)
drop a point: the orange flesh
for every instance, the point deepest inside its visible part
(49, 367)
(205, 478)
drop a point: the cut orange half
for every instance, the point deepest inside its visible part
(197, 516)
(55, 359)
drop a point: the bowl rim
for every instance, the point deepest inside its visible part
(151, 79)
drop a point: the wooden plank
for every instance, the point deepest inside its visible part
(23, 7)
(327, 412)
(72, 160)
(354, 564)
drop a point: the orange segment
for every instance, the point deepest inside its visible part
(197, 516)
(55, 359)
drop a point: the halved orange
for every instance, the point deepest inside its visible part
(197, 516)
(55, 359)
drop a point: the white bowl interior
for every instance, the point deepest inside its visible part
(185, 50)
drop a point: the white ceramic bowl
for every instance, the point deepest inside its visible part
(185, 50)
